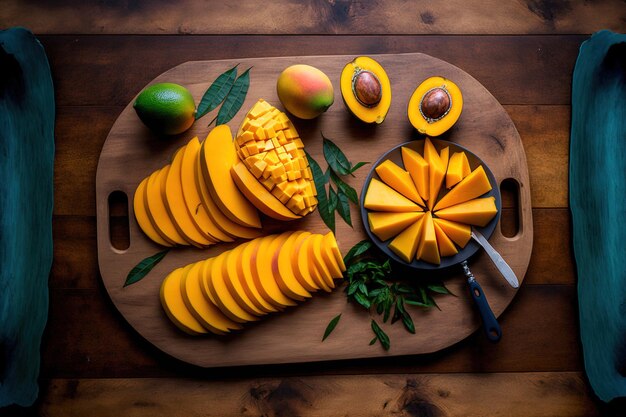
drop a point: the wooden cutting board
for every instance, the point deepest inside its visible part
(131, 152)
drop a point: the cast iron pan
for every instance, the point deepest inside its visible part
(490, 324)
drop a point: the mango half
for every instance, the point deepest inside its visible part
(435, 106)
(366, 89)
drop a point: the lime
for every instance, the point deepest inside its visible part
(166, 108)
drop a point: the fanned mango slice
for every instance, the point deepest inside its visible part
(155, 207)
(331, 244)
(381, 197)
(428, 250)
(459, 233)
(318, 259)
(312, 265)
(217, 155)
(474, 185)
(444, 243)
(207, 314)
(477, 212)
(400, 180)
(174, 306)
(264, 276)
(283, 269)
(233, 281)
(300, 263)
(244, 270)
(139, 209)
(405, 244)
(191, 195)
(328, 254)
(387, 225)
(417, 167)
(176, 207)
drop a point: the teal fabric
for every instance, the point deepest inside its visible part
(598, 206)
(26, 168)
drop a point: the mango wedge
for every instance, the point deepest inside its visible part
(400, 180)
(406, 243)
(474, 185)
(477, 212)
(381, 197)
(418, 169)
(459, 233)
(428, 250)
(387, 225)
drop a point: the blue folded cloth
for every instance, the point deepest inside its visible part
(598, 204)
(26, 168)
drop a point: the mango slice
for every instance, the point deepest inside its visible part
(400, 180)
(330, 243)
(234, 282)
(444, 243)
(300, 263)
(387, 225)
(381, 197)
(436, 172)
(264, 276)
(244, 270)
(405, 244)
(174, 306)
(459, 233)
(155, 207)
(428, 249)
(454, 174)
(283, 270)
(139, 209)
(417, 167)
(477, 212)
(474, 185)
(217, 155)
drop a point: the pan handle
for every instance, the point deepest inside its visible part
(490, 323)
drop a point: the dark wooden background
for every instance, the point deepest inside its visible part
(102, 52)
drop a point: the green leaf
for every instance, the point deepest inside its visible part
(357, 166)
(143, 267)
(331, 326)
(416, 303)
(345, 188)
(408, 322)
(332, 199)
(357, 250)
(439, 289)
(381, 335)
(322, 200)
(362, 300)
(336, 159)
(235, 98)
(373, 340)
(343, 207)
(217, 92)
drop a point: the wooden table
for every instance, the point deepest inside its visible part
(103, 53)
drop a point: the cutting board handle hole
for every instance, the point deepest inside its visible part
(119, 231)
(510, 219)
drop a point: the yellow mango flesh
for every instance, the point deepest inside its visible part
(438, 127)
(300, 263)
(328, 253)
(374, 114)
(428, 250)
(318, 259)
(176, 207)
(455, 169)
(174, 306)
(312, 264)
(232, 280)
(192, 198)
(405, 244)
(417, 167)
(283, 270)
(381, 197)
(209, 316)
(444, 243)
(263, 274)
(331, 244)
(387, 225)
(400, 180)
(477, 212)
(155, 207)
(474, 185)
(139, 209)
(217, 155)
(459, 233)
(444, 156)
(436, 172)
(244, 270)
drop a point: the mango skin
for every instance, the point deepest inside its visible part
(305, 91)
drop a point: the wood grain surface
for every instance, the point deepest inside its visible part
(92, 360)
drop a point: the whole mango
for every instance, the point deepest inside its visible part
(305, 91)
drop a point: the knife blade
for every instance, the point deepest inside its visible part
(497, 259)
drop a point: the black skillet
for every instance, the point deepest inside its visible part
(490, 324)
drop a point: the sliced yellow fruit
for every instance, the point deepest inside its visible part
(191, 195)
(428, 250)
(314, 269)
(233, 280)
(466, 166)
(445, 244)
(283, 269)
(254, 191)
(202, 309)
(405, 244)
(155, 207)
(400, 180)
(316, 245)
(263, 275)
(222, 296)
(139, 208)
(331, 244)
(436, 172)
(474, 185)
(300, 263)
(387, 225)
(459, 233)
(477, 212)
(454, 174)
(444, 156)
(174, 306)
(417, 167)
(381, 197)
(228, 226)
(217, 155)
(328, 254)
(244, 268)
(176, 207)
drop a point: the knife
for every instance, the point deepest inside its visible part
(497, 259)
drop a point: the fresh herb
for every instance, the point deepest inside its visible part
(143, 267)
(370, 283)
(217, 92)
(235, 98)
(335, 200)
(331, 326)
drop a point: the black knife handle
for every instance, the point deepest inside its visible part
(490, 323)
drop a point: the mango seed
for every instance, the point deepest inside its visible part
(436, 103)
(366, 88)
